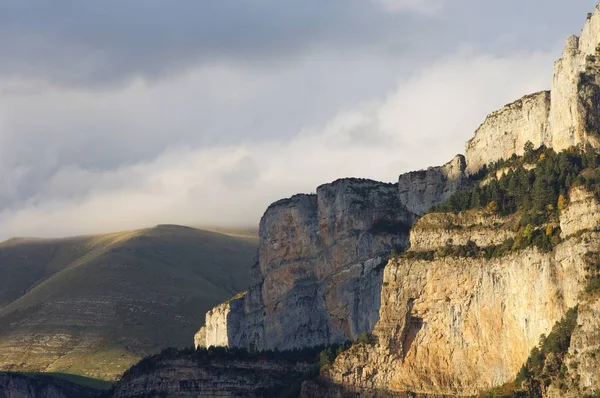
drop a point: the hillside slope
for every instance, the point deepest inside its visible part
(94, 305)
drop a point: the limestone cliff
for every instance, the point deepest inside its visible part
(567, 115)
(583, 358)
(449, 325)
(460, 325)
(420, 190)
(436, 230)
(506, 131)
(318, 276)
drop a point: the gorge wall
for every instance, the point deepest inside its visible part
(320, 262)
(567, 115)
(444, 326)
(460, 325)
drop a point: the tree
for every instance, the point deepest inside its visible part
(492, 207)
(562, 202)
(528, 148)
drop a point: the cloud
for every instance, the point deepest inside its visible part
(423, 121)
(111, 42)
(423, 6)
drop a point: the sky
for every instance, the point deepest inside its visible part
(117, 115)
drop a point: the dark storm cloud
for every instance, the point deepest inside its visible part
(98, 41)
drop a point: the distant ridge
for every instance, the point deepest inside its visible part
(93, 305)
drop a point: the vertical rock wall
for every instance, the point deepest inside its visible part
(568, 115)
(319, 270)
(420, 190)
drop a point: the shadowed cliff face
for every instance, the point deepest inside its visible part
(319, 270)
(215, 373)
(41, 386)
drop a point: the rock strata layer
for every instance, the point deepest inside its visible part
(186, 376)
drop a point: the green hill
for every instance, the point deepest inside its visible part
(94, 305)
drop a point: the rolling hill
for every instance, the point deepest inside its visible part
(94, 305)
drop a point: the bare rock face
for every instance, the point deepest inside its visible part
(506, 131)
(436, 230)
(421, 190)
(566, 116)
(457, 326)
(319, 270)
(223, 324)
(583, 212)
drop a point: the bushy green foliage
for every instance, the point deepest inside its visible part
(366, 339)
(537, 370)
(593, 286)
(420, 255)
(532, 184)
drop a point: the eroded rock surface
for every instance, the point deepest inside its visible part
(567, 115)
(319, 270)
(421, 190)
(457, 326)
(435, 230)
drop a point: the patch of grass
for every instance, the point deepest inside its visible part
(95, 305)
(593, 286)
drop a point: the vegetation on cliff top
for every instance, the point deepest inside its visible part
(536, 185)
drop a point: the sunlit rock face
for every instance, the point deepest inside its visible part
(567, 115)
(582, 361)
(459, 325)
(506, 131)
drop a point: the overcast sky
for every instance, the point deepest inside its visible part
(123, 114)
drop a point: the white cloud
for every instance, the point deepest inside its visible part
(424, 121)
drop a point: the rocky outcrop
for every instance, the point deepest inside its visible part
(319, 270)
(223, 324)
(566, 116)
(583, 212)
(436, 230)
(460, 325)
(506, 131)
(13, 385)
(190, 376)
(421, 190)
(457, 326)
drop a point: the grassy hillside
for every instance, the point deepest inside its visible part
(94, 305)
